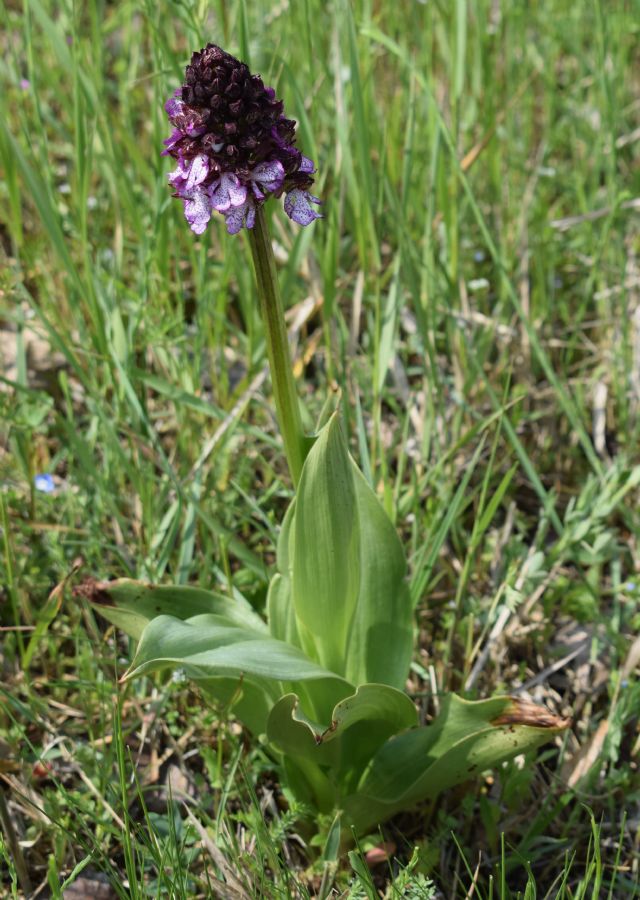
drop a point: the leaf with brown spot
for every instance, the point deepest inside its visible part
(523, 712)
(131, 605)
(467, 736)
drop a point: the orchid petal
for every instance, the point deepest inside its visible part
(175, 137)
(174, 104)
(228, 191)
(268, 175)
(297, 205)
(177, 179)
(198, 171)
(239, 216)
(307, 165)
(197, 210)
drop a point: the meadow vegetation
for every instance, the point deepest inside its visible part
(473, 290)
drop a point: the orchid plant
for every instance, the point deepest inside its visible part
(324, 676)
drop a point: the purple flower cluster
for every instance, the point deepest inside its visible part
(234, 147)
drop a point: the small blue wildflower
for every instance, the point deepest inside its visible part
(233, 146)
(44, 482)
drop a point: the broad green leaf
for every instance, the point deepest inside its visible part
(296, 735)
(207, 646)
(466, 739)
(280, 612)
(285, 540)
(337, 540)
(371, 703)
(326, 547)
(382, 710)
(130, 605)
(283, 624)
(364, 722)
(381, 639)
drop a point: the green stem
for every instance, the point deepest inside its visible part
(284, 389)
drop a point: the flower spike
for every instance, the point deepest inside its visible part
(234, 147)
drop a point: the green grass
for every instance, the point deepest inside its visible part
(484, 328)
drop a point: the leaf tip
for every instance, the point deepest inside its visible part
(93, 591)
(523, 712)
(319, 738)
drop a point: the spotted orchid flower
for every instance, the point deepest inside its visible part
(233, 146)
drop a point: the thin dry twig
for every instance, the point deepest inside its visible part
(591, 216)
(472, 886)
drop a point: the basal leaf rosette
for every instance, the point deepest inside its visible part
(323, 680)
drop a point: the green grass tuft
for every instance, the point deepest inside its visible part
(474, 291)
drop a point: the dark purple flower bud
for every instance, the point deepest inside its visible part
(233, 145)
